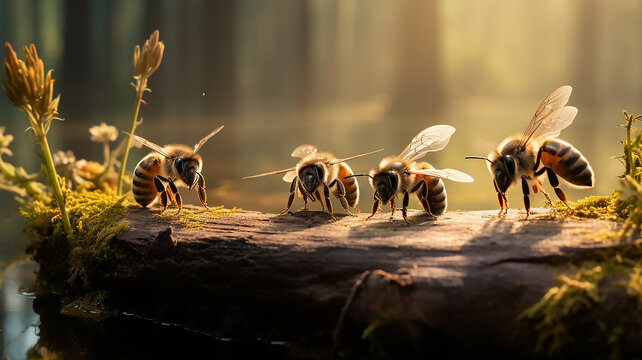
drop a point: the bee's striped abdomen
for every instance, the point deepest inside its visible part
(143, 179)
(350, 184)
(567, 162)
(436, 191)
(436, 195)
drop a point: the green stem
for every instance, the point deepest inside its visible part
(53, 182)
(141, 85)
(629, 147)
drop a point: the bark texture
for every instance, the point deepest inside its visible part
(455, 284)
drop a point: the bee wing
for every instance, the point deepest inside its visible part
(448, 174)
(337, 161)
(303, 151)
(271, 173)
(433, 138)
(289, 176)
(150, 145)
(551, 117)
(204, 140)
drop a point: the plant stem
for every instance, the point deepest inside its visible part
(628, 146)
(141, 86)
(54, 183)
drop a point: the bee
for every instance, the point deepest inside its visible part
(518, 158)
(166, 167)
(318, 172)
(402, 175)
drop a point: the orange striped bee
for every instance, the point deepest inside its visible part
(402, 175)
(316, 172)
(518, 158)
(164, 168)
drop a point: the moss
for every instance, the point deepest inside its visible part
(592, 207)
(598, 303)
(96, 218)
(92, 305)
(196, 219)
(375, 334)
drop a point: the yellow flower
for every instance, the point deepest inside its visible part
(27, 87)
(145, 62)
(103, 133)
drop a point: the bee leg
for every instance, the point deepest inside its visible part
(527, 199)
(375, 206)
(160, 187)
(555, 183)
(202, 195)
(163, 199)
(500, 198)
(317, 194)
(422, 196)
(175, 196)
(404, 209)
(304, 195)
(505, 203)
(539, 173)
(537, 187)
(341, 195)
(328, 204)
(423, 199)
(291, 198)
(421, 184)
(393, 207)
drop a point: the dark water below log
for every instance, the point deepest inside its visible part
(33, 327)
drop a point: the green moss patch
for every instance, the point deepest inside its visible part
(90, 306)
(592, 207)
(196, 219)
(597, 304)
(96, 219)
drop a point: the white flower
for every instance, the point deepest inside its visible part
(5, 140)
(103, 133)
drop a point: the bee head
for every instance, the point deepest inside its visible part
(385, 184)
(187, 170)
(311, 176)
(504, 172)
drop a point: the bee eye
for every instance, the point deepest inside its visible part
(393, 179)
(500, 179)
(510, 164)
(178, 163)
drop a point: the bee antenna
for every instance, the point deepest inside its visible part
(354, 175)
(478, 157)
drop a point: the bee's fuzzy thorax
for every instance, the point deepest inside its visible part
(179, 150)
(524, 160)
(398, 165)
(329, 171)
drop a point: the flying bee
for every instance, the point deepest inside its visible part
(402, 175)
(518, 158)
(318, 172)
(166, 167)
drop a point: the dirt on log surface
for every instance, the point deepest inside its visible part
(454, 284)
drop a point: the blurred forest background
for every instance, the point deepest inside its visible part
(348, 76)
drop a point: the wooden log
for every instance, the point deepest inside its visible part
(455, 284)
